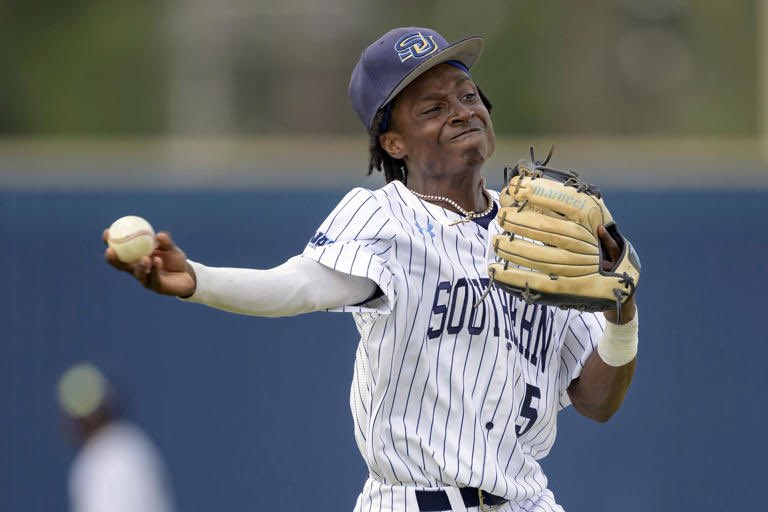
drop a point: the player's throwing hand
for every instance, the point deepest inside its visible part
(165, 271)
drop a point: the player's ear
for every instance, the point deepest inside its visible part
(392, 143)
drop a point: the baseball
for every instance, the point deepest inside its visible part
(131, 237)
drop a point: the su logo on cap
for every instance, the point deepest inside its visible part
(415, 46)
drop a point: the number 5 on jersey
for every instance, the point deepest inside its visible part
(526, 411)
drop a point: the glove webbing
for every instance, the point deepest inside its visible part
(569, 178)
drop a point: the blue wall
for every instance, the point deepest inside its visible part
(250, 412)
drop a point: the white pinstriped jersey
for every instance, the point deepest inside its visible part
(446, 394)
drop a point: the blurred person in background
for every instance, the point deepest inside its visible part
(117, 467)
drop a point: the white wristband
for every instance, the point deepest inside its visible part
(618, 345)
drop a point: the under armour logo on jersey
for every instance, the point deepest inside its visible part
(427, 229)
(415, 46)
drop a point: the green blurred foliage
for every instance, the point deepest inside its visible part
(726, 61)
(101, 66)
(555, 69)
(81, 67)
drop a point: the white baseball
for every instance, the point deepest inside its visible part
(131, 237)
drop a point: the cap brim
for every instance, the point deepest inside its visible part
(466, 51)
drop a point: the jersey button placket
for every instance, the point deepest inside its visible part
(496, 389)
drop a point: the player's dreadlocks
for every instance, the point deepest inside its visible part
(393, 168)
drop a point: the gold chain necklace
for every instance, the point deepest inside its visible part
(468, 215)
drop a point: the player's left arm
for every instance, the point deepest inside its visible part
(599, 391)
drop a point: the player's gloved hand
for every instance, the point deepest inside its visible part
(613, 250)
(560, 245)
(165, 271)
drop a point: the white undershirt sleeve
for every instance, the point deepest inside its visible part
(300, 285)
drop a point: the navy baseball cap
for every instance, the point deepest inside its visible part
(396, 59)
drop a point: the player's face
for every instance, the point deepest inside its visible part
(439, 124)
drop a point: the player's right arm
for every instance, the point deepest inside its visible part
(300, 285)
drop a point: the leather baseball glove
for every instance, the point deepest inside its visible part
(550, 252)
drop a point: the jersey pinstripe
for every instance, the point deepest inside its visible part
(446, 394)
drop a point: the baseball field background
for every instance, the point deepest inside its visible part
(228, 126)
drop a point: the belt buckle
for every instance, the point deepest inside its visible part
(486, 508)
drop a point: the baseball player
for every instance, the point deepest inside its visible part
(117, 468)
(455, 392)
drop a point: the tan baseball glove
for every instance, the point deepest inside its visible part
(550, 252)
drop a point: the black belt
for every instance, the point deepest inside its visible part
(437, 500)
